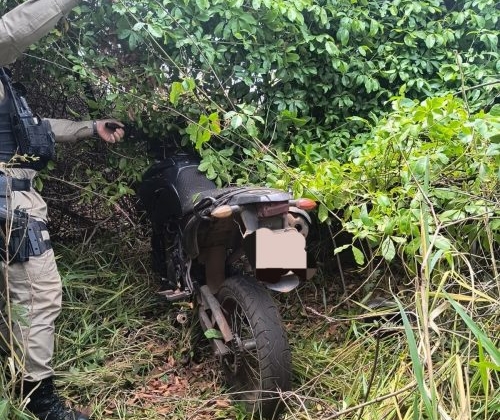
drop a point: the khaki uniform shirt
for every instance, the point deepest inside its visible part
(20, 28)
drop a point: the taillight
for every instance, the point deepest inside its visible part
(222, 212)
(304, 204)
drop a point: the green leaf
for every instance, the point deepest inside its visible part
(442, 243)
(202, 137)
(175, 92)
(434, 258)
(204, 165)
(359, 257)
(495, 110)
(213, 333)
(323, 213)
(256, 4)
(251, 128)
(203, 4)
(341, 248)
(138, 26)
(493, 150)
(383, 201)
(214, 123)
(122, 163)
(387, 249)
(236, 121)
(365, 217)
(155, 31)
(483, 371)
(420, 165)
(343, 36)
(133, 40)
(4, 409)
(430, 40)
(331, 48)
(451, 216)
(485, 366)
(188, 84)
(292, 14)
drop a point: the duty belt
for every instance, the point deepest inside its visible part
(26, 237)
(13, 184)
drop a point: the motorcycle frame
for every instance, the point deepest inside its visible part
(201, 238)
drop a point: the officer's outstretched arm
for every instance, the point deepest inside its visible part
(67, 131)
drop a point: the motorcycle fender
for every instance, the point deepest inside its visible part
(300, 212)
(283, 249)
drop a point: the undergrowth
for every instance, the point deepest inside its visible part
(120, 349)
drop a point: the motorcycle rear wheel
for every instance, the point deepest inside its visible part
(258, 366)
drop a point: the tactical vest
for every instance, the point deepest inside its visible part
(8, 144)
(21, 133)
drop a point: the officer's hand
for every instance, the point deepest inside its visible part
(110, 131)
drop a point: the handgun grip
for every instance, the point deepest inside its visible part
(112, 126)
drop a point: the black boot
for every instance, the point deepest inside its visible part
(46, 404)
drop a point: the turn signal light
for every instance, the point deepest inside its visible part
(305, 204)
(222, 212)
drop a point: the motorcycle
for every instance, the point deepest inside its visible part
(221, 248)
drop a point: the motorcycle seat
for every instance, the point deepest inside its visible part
(238, 196)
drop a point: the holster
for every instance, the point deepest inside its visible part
(14, 246)
(20, 236)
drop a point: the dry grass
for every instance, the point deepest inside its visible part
(120, 350)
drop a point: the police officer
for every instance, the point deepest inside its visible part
(29, 278)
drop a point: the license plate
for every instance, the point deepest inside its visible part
(280, 249)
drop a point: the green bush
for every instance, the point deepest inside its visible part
(425, 184)
(270, 73)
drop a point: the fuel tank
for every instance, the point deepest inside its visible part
(169, 187)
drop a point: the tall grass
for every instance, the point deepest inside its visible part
(378, 371)
(120, 350)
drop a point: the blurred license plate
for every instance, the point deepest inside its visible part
(280, 249)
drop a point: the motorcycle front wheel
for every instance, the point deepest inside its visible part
(258, 366)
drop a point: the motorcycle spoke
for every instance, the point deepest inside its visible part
(246, 364)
